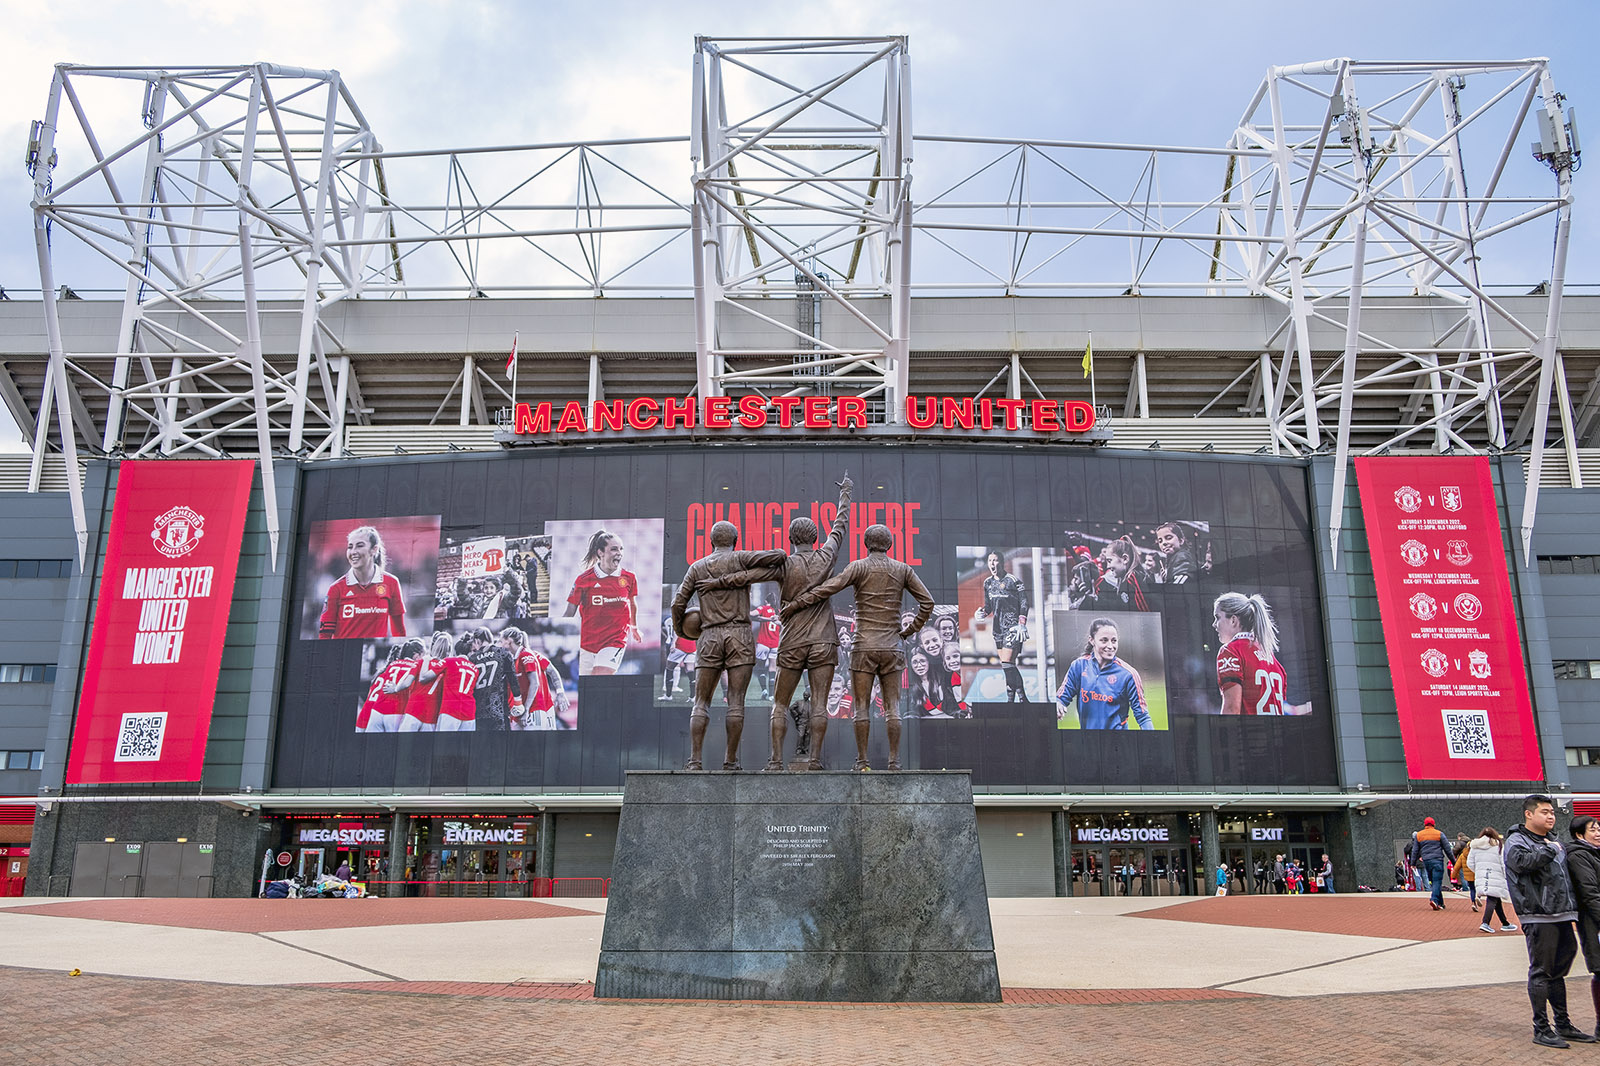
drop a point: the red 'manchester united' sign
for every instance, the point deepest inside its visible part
(151, 675)
(753, 412)
(1448, 621)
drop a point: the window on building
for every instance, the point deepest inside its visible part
(1567, 669)
(1569, 564)
(1583, 756)
(11, 673)
(32, 568)
(24, 760)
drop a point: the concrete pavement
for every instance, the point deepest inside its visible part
(1357, 978)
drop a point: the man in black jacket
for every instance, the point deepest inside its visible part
(1536, 875)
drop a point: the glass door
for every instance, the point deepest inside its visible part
(1087, 872)
(518, 869)
(1238, 859)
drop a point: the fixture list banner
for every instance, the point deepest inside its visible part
(151, 675)
(1448, 620)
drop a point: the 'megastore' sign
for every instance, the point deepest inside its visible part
(800, 412)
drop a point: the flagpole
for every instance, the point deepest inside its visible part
(516, 365)
(1092, 402)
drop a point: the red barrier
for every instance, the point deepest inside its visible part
(536, 887)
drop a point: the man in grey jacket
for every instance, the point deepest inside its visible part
(1536, 874)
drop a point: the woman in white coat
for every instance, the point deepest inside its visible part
(1490, 875)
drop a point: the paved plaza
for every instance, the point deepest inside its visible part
(1305, 979)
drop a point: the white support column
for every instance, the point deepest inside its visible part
(252, 319)
(1352, 334)
(309, 305)
(468, 371)
(131, 310)
(1552, 329)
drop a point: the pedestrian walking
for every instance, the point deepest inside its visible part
(1583, 867)
(1222, 879)
(1536, 873)
(1280, 876)
(1462, 871)
(1326, 876)
(1483, 860)
(1430, 851)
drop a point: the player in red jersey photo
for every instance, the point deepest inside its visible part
(768, 633)
(444, 687)
(605, 597)
(1249, 676)
(366, 601)
(365, 578)
(388, 710)
(372, 703)
(542, 695)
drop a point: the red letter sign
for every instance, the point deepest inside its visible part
(151, 674)
(1448, 620)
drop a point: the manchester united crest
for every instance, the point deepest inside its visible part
(1468, 607)
(1414, 552)
(178, 532)
(1458, 553)
(1450, 497)
(1435, 662)
(1478, 663)
(1407, 499)
(1424, 606)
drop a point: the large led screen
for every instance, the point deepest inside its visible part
(1101, 620)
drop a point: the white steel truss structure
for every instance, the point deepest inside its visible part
(802, 189)
(256, 199)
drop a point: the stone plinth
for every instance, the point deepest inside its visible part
(822, 886)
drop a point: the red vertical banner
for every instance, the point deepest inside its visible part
(151, 675)
(1449, 623)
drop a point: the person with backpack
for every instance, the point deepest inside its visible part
(1462, 872)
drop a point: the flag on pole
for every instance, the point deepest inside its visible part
(1088, 357)
(511, 360)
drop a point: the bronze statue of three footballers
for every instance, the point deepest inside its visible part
(810, 641)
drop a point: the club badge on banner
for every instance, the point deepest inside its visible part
(1448, 620)
(151, 673)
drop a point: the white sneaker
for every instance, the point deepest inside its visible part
(1508, 929)
(1486, 927)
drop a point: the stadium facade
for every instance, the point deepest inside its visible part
(1388, 462)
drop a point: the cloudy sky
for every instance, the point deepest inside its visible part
(431, 73)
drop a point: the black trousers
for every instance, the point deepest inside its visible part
(1551, 948)
(1492, 906)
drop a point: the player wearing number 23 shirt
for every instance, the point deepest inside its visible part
(1249, 676)
(1101, 688)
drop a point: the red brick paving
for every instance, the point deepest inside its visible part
(1394, 917)
(545, 990)
(75, 1021)
(282, 915)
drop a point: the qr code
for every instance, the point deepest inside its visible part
(1468, 734)
(139, 739)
